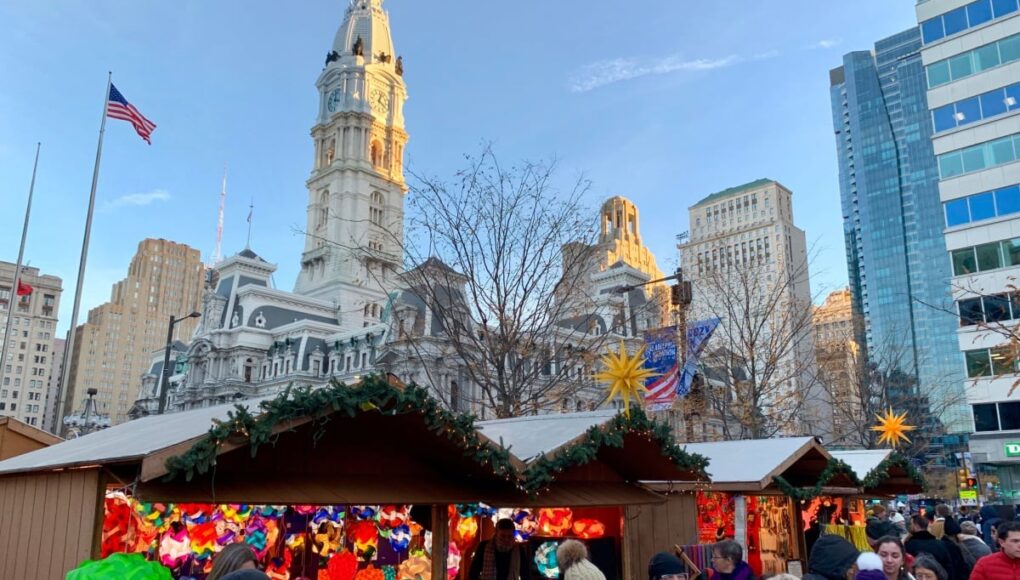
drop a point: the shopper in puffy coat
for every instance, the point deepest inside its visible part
(1004, 564)
(832, 558)
(921, 541)
(572, 557)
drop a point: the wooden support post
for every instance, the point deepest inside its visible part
(440, 539)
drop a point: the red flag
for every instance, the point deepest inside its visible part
(23, 289)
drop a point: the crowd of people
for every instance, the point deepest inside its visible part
(942, 546)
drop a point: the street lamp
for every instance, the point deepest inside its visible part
(166, 358)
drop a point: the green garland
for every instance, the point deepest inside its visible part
(544, 470)
(833, 468)
(373, 394)
(881, 471)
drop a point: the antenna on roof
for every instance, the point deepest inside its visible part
(218, 253)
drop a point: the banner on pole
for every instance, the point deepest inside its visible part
(661, 357)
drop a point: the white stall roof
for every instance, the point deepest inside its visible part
(862, 461)
(529, 437)
(127, 441)
(751, 460)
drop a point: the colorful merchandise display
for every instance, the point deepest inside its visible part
(716, 516)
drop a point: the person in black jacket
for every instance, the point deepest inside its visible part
(921, 541)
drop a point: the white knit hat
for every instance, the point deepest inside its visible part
(584, 570)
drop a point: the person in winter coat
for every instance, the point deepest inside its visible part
(894, 558)
(727, 563)
(572, 558)
(922, 542)
(869, 567)
(989, 519)
(832, 558)
(971, 544)
(1004, 564)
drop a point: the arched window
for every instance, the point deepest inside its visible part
(248, 365)
(375, 212)
(376, 153)
(323, 208)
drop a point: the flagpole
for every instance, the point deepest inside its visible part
(17, 266)
(69, 344)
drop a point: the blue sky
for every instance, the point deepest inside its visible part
(660, 101)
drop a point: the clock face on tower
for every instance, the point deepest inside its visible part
(380, 102)
(333, 102)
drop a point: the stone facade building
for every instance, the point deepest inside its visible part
(25, 374)
(839, 356)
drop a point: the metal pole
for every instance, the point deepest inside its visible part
(69, 345)
(166, 365)
(17, 267)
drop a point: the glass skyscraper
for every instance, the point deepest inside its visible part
(893, 218)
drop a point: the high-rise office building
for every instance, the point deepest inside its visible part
(114, 348)
(748, 266)
(51, 420)
(25, 374)
(971, 56)
(892, 219)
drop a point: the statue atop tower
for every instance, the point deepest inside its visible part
(354, 236)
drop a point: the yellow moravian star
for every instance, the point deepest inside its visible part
(625, 375)
(892, 428)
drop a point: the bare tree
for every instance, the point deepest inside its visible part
(759, 367)
(871, 385)
(503, 261)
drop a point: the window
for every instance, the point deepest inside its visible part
(979, 12)
(1009, 416)
(982, 206)
(974, 61)
(376, 209)
(376, 153)
(978, 363)
(986, 417)
(978, 157)
(965, 17)
(957, 212)
(996, 308)
(964, 262)
(971, 312)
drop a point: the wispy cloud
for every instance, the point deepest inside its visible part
(826, 43)
(137, 199)
(606, 72)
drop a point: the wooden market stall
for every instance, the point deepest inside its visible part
(752, 498)
(17, 437)
(321, 455)
(883, 473)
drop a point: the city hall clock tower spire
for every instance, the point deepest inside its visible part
(354, 236)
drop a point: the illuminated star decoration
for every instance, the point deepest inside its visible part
(892, 428)
(625, 375)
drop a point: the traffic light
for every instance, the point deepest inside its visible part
(971, 482)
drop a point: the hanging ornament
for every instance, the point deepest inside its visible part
(393, 516)
(625, 375)
(116, 523)
(295, 541)
(554, 521)
(527, 524)
(545, 560)
(589, 529)
(237, 513)
(327, 514)
(342, 566)
(467, 510)
(400, 538)
(304, 509)
(270, 511)
(486, 511)
(417, 567)
(156, 514)
(453, 562)
(203, 540)
(255, 535)
(364, 512)
(326, 541)
(892, 428)
(175, 547)
(465, 531)
(389, 573)
(196, 513)
(365, 538)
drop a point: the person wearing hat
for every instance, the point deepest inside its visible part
(572, 557)
(869, 567)
(666, 566)
(832, 558)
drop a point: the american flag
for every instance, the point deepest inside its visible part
(117, 107)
